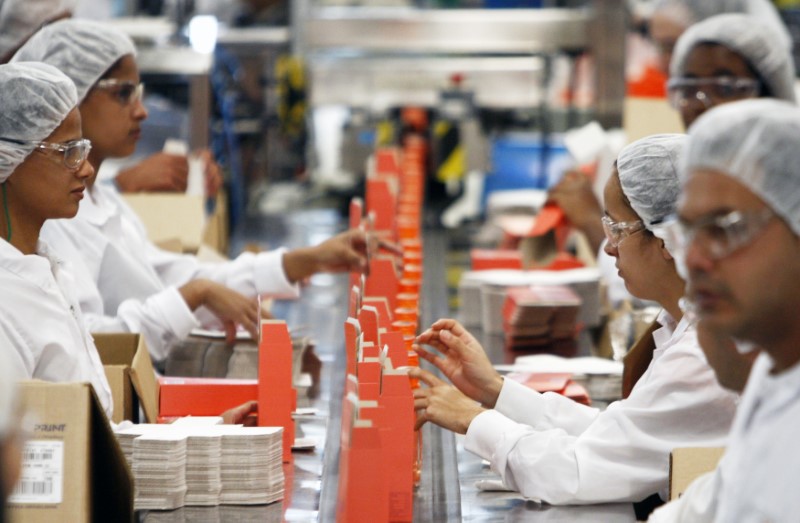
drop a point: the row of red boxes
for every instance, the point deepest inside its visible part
(380, 450)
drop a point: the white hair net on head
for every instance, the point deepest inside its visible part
(19, 19)
(690, 12)
(753, 41)
(81, 49)
(756, 142)
(648, 175)
(35, 99)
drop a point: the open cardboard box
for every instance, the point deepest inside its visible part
(130, 374)
(73, 469)
(169, 216)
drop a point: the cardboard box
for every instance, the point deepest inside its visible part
(203, 396)
(74, 469)
(686, 464)
(169, 216)
(130, 374)
(646, 116)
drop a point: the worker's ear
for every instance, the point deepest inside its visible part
(664, 251)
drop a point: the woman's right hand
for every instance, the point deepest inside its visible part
(229, 306)
(462, 360)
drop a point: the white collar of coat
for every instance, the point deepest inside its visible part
(94, 209)
(39, 268)
(670, 329)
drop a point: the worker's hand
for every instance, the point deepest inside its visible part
(159, 172)
(244, 414)
(213, 173)
(574, 195)
(345, 252)
(462, 360)
(229, 306)
(731, 367)
(442, 404)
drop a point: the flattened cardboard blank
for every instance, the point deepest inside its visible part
(168, 216)
(686, 464)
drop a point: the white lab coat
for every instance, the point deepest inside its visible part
(758, 475)
(42, 320)
(552, 449)
(130, 285)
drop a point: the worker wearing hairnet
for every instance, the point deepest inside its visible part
(738, 228)
(552, 449)
(131, 285)
(728, 58)
(670, 18)
(19, 19)
(43, 171)
(719, 60)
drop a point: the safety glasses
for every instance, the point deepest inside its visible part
(125, 91)
(710, 91)
(73, 153)
(718, 236)
(616, 232)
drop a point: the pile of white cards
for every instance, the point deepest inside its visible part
(252, 465)
(196, 462)
(159, 470)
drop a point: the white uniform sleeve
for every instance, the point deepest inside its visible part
(21, 362)
(249, 274)
(162, 319)
(543, 411)
(623, 455)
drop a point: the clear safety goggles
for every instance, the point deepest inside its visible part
(616, 232)
(710, 91)
(73, 153)
(125, 91)
(717, 236)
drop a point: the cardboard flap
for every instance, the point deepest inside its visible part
(686, 464)
(143, 377)
(549, 218)
(131, 350)
(111, 478)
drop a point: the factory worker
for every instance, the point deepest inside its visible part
(739, 222)
(19, 19)
(131, 285)
(670, 18)
(43, 171)
(719, 60)
(552, 449)
(728, 58)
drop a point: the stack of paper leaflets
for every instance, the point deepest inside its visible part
(252, 465)
(159, 470)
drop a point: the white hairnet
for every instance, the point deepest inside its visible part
(35, 99)
(19, 19)
(690, 12)
(648, 174)
(756, 142)
(81, 49)
(755, 42)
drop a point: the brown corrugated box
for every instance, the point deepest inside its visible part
(130, 374)
(74, 469)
